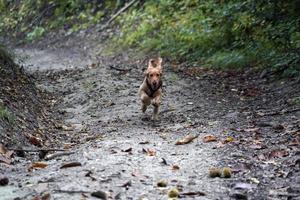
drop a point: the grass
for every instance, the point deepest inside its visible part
(6, 115)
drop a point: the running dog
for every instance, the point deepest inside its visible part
(150, 91)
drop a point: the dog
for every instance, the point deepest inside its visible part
(150, 92)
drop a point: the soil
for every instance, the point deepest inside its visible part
(120, 153)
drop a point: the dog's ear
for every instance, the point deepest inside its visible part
(159, 66)
(153, 63)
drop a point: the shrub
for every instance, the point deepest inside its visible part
(221, 34)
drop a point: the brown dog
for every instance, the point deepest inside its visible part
(150, 91)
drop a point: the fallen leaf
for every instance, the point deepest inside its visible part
(150, 152)
(228, 140)
(175, 167)
(68, 145)
(93, 65)
(35, 140)
(3, 149)
(209, 138)
(37, 165)
(4, 159)
(186, 140)
(72, 164)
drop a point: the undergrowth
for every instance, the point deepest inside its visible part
(217, 33)
(31, 19)
(6, 115)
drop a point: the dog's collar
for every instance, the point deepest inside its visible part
(150, 88)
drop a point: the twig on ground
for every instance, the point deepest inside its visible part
(119, 69)
(55, 155)
(71, 191)
(35, 150)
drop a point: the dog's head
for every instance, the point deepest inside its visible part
(154, 73)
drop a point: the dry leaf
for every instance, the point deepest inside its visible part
(35, 140)
(209, 138)
(150, 152)
(3, 149)
(93, 65)
(68, 145)
(5, 155)
(72, 164)
(175, 167)
(4, 159)
(186, 140)
(37, 165)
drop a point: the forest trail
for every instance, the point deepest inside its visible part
(121, 151)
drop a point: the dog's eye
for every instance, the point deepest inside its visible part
(151, 75)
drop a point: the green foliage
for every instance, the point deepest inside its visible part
(36, 33)
(6, 115)
(217, 33)
(33, 18)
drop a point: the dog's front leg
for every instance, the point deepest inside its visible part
(156, 103)
(145, 101)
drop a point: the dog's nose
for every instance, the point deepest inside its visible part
(154, 83)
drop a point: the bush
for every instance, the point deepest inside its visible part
(217, 33)
(33, 18)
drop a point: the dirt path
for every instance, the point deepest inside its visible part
(114, 141)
